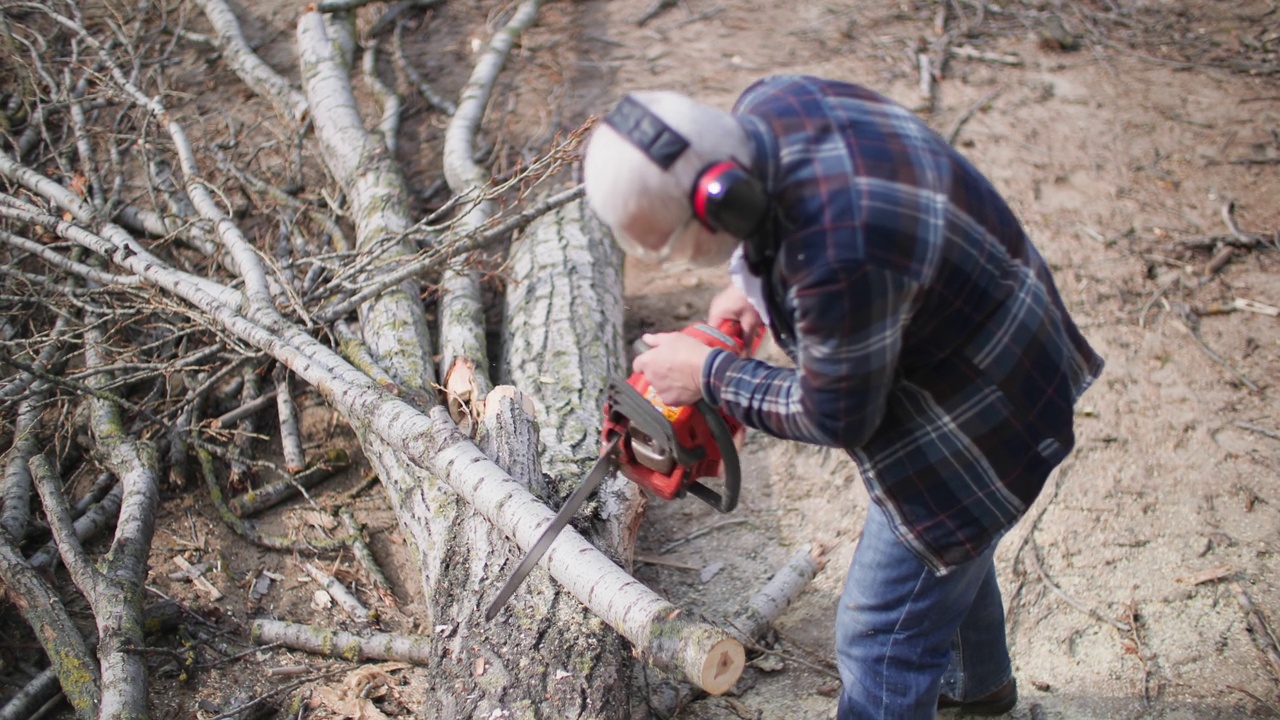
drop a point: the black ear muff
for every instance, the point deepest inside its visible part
(727, 198)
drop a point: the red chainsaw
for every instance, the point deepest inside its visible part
(668, 450)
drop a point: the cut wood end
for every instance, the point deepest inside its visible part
(818, 554)
(723, 666)
(492, 400)
(460, 386)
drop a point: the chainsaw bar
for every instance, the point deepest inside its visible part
(607, 463)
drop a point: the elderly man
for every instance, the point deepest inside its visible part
(928, 340)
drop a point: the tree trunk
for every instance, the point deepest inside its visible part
(545, 653)
(564, 356)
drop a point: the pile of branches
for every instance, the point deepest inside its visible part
(171, 267)
(168, 271)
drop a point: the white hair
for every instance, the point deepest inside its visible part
(642, 203)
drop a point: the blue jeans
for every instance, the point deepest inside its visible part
(903, 634)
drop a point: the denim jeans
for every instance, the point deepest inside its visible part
(903, 634)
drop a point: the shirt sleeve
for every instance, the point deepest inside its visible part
(849, 334)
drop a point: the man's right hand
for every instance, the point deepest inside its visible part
(732, 304)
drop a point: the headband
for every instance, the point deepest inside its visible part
(647, 131)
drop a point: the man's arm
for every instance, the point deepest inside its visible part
(849, 327)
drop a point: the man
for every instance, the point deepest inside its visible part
(928, 340)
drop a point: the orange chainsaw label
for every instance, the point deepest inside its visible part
(667, 411)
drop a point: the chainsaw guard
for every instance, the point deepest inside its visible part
(729, 460)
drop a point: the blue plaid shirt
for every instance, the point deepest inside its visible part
(928, 337)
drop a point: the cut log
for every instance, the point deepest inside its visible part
(767, 605)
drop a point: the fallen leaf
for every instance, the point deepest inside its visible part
(348, 704)
(317, 519)
(769, 663)
(379, 674)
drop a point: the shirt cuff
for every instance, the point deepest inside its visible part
(714, 370)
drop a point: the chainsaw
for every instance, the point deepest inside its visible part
(667, 450)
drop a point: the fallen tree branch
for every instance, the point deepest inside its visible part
(96, 519)
(245, 410)
(267, 83)
(416, 649)
(295, 459)
(245, 528)
(44, 691)
(462, 323)
(377, 579)
(255, 501)
(57, 633)
(347, 600)
(16, 509)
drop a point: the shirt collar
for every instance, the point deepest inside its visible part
(764, 147)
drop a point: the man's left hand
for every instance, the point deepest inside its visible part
(673, 365)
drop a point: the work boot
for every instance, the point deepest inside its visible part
(997, 702)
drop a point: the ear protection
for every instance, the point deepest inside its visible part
(725, 196)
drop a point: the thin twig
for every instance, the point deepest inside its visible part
(253, 406)
(1034, 555)
(969, 113)
(1258, 429)
(699, 533)
(1192, 324)
(1258, 628)
(239, 711)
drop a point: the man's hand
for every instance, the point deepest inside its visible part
(732, 304)
(673, 365)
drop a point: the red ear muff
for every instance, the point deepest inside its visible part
(727, 198)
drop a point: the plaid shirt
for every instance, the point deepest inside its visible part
(928, 337)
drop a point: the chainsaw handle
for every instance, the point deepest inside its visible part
(729, 456)
(733, 328)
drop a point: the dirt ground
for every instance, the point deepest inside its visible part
(1118, 130)
(1114, 156)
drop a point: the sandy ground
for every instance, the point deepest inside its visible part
(1123, 583)
(1110, 159)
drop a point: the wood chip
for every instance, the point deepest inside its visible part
(197, 578)
(1256, 307)
(1210, 575)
